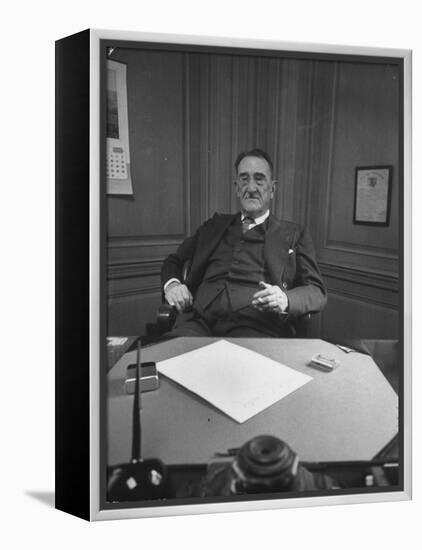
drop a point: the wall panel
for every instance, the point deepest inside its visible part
(156, 84)
(355, 122)
(220, 133)
(144, 228)
(348, 317)
(365, 134)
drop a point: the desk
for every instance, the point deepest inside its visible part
(348, 414)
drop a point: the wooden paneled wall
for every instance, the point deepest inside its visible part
(191, 114)
(143, 228)
(355, 121)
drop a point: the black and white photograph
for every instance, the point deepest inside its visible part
(210, 236)
(253, 324)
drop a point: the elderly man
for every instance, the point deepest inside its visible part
(250, 274)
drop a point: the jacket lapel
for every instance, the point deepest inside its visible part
(208, 240)
(278, 239)
(213, 233)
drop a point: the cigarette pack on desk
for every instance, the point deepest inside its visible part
(323, 363)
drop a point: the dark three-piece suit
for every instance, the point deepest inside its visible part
(227, 265)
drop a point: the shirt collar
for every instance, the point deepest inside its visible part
(259, 220)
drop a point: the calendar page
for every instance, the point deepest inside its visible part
(116, 164)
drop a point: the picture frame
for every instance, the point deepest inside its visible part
(97, 259)
(372, 195)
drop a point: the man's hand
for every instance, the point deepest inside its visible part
(178, 295)
(270, 298)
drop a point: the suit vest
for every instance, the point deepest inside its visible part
(237, 265)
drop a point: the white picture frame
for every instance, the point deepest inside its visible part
(99, 40)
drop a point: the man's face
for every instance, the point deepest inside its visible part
(254, 186)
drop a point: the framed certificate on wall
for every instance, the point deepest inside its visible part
(372, 195)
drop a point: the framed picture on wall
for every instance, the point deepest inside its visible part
(211, 183)
(372, 195)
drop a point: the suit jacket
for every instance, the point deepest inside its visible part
(289, 258)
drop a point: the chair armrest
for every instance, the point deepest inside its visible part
(303, 325)
(166, 316)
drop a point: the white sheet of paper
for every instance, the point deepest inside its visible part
(239, 382)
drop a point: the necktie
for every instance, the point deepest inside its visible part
(247, 223)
